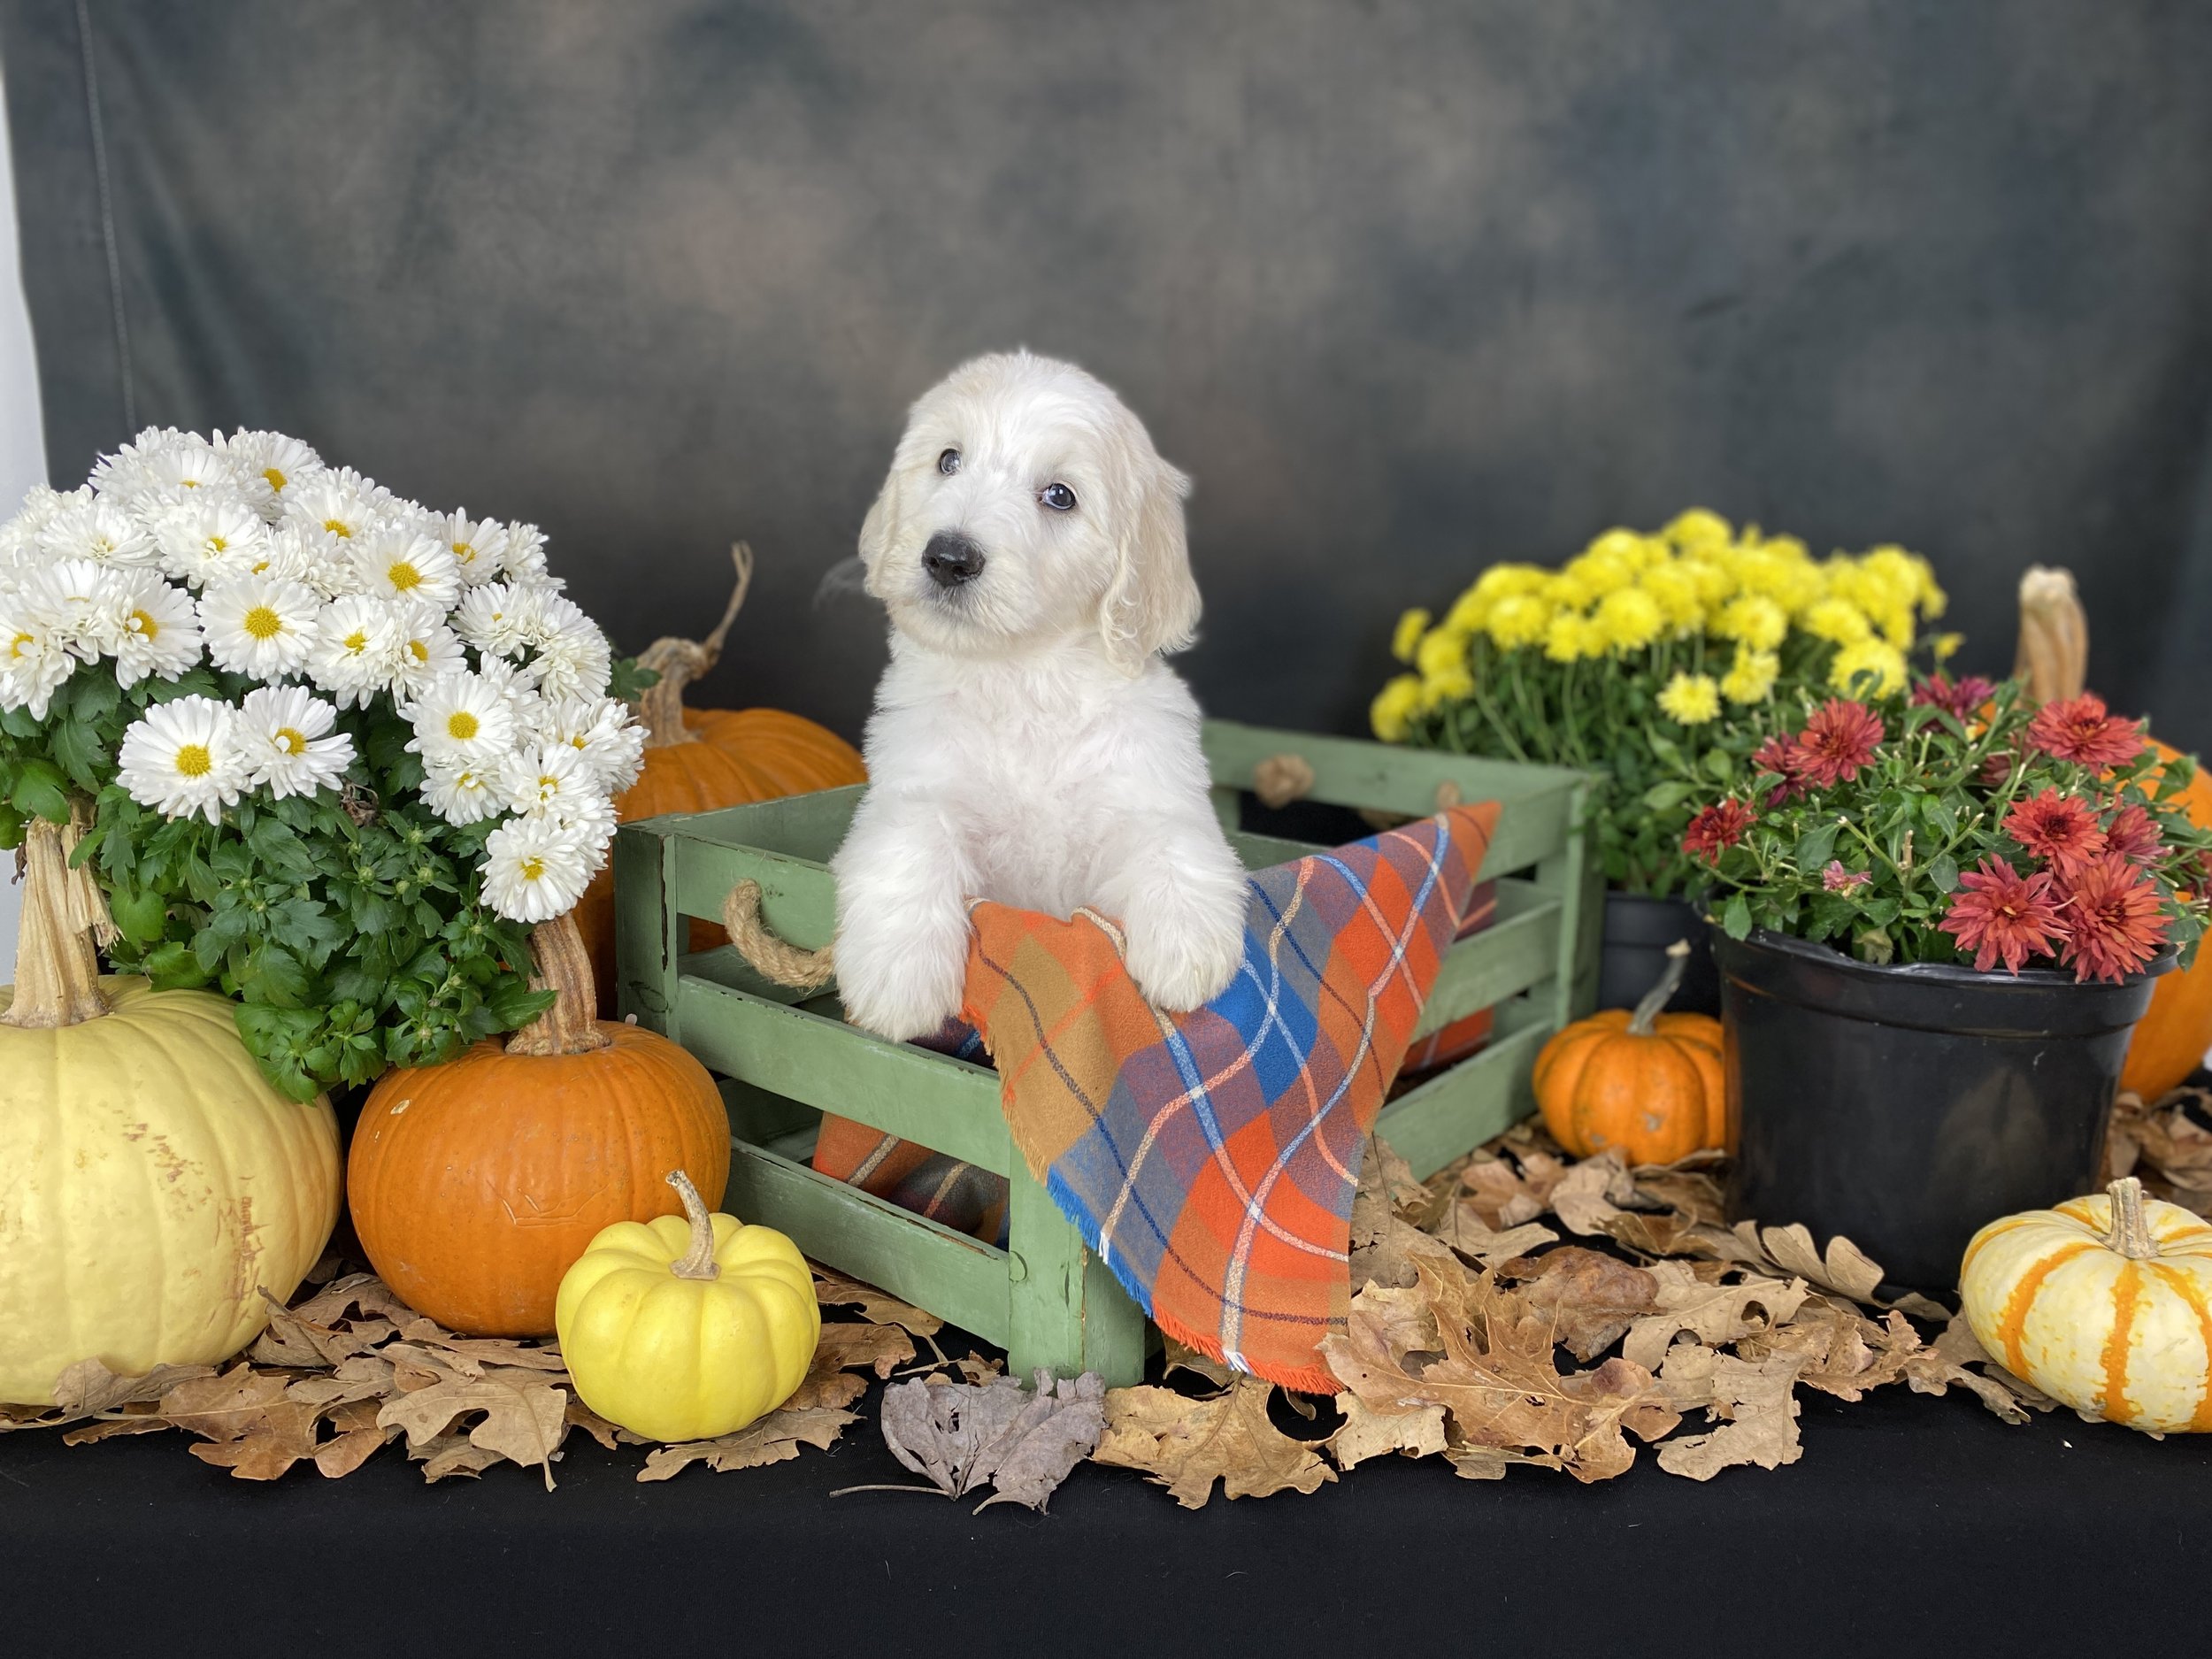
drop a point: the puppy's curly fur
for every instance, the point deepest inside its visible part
(1028, 744)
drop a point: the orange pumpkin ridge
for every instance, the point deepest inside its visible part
(2170, 1039)
(1646, 1083)
(477, 1183)
(2013, 1324)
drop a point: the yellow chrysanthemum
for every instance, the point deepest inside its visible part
(1468, 613)
(1691, 699)
(1520, 620)
(1716, 583)
(1392, 712)
(1947, 646)
(1596, 574)
(1751, 677)
(1570, 636)
(1697, 528)
(1675, 591)
(1776, 576)
(1440, 649)
(1450, 686)
(1837, 619)
(1628, 619)
(1754, 620)
(1877, 657)
(1407, 635)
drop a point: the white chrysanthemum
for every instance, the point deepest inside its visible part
(161, 630)
(427, 652)
(180, 471)
(357, 648)
(125, 474)
(459, 793)
(183, 757)
(551, 780)
(335, 506)
(603, 732)
(281, 464)
(494, 617)
(535, 869)
(101, 532)
(34, 662)
(261, 625)
(83, 603)
(210, 538)
(19, 548)
(523, 559)
(396, 562)
(463, 721)
(572, 658)
(479, 546)
(285, 734)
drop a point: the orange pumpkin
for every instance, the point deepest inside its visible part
(2173, 1033)
(697, 760)
(476, 1184)
(1646, 1083)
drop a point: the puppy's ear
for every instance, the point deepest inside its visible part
(875, 532)
(1151, 605)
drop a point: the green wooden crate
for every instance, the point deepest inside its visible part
(1045, 1298)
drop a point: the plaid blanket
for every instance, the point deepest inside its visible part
(1210, 1158)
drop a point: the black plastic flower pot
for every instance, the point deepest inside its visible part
(1633, 953)
(1905, 1106)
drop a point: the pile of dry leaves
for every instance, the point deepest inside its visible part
(349, 1369)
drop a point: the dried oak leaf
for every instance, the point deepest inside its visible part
(775, 1439)
(523, 1416)
(1187, 1445)
(1384, 1243)
(1716, 1315)
(280, 1435)
(1957, 1359)
(1591, 1298)
(1368, 1433)
(1844, 1353)
(1461, 1226)
(1499, 1197)
(1494, 1373)
(1022, 1443)
(1181, 1356)
(87, 1387)
(1844, 1268)
(1757, 1406)
(222, 1408)
(834, 1290)
(138, 1419)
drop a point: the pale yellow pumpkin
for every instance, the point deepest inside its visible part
(152, 1182)
(687, 1329)
(2104, 1303)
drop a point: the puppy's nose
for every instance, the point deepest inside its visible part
(952, 559)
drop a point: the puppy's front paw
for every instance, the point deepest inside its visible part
(902, 986)
(1184, 955)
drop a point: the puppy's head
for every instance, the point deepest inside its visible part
(1024, 503)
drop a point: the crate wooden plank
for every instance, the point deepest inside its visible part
(1508, 956)
(1459, 1108)
(808, 826)
(955, 1277)
(1572, 874)
(798, 899)
(1537, 802)
(647, 945)
(1067, 1312)
(932, 1098)
(1263, 852)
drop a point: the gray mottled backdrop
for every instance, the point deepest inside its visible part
(1407, 287)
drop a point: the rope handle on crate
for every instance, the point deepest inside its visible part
(776, 960)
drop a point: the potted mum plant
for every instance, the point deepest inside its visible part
(1939, 914)
(327, 751)
(1655, 661)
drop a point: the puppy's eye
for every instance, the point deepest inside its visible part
(1059, 497)
(949, 462)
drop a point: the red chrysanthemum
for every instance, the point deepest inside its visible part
(2114, 923)
(2058, 827)
(1962, 698)
(2079, 729)
(1838, 739)
(1836, 879)
(1777, 755)
(2134, 834)
(1716, 829)
(2000, 915)
(1996, 770)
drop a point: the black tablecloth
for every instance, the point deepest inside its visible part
(1910, 1525)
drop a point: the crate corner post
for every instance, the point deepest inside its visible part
(1067, 1311)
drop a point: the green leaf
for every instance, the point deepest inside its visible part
(1815, 846)
(1661, 797)
(41, 791)
(1663, 747)
(1719, 764)
(174, 967)
(1943, 870)
(1735, 917)
(141, 914)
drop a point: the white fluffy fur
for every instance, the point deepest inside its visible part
(1028, 745)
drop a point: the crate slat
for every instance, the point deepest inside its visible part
(955, 1277)
(1506, 958)
(1464, 1106)
(904, 1091)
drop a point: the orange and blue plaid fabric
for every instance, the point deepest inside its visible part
(1210, 1158)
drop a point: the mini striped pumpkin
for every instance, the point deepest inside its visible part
(2104, 1303)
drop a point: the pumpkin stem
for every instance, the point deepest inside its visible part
(1660, 994)
(678, 662)
(560, 962)
(698, 1262)
(2130, 1233)
(2053, 653)
(57, 961)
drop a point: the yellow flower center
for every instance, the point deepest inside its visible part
(404, 576)
(16, 645)
(263, 623)
(218, 544)
(194, 761)
(336, 527)
(464, 552)
(418, 650)
(358, 641)
(189, 483)
(290, 741)
(461, 725)
(275, 475)
(549, 785)
(532, 869)
(148, 628)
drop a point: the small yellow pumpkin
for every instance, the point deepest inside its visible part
(2104, 1303)
(686, 1329)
